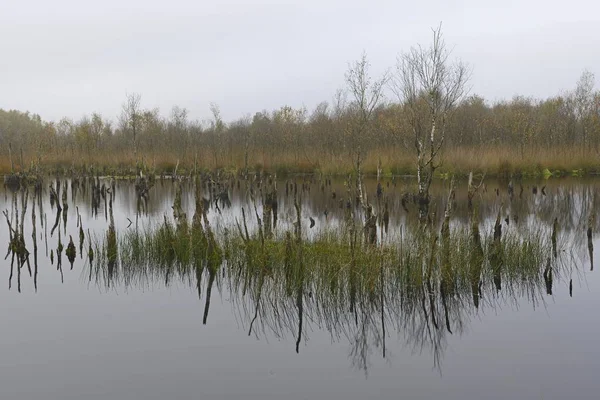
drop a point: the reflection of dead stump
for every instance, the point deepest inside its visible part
(476, 259)
(571, 288)
(496, 262)
(275, 209)
(223, 198)
(496, 255)
(370, 226)
(554, 236)
(74, 188)
(12, 182)
(111, 251)
(81, 240)
(90, 252)
(386, 216)
(404, 201)
(548, 278)
(54, 197)
(64, 197)
(59, 250)
(96, 195)
(71, 252)
(473, 189)
(497, 229)
(590, 247)
(143, 186)
(270, 210)
(178, 212)
(16, 245)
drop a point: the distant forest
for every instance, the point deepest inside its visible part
(561, 132)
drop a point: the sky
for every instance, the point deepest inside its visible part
(70, 58)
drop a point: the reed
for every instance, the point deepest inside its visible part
(494, 160)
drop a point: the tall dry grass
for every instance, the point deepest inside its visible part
(493, 160)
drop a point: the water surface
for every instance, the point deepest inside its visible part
(69, 336)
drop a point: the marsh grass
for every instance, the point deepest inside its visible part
(327, 272)
(495, 161)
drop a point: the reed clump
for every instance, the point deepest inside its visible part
(327, 264)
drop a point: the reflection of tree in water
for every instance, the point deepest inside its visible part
(285, 287)
(421, 284)
(569, 200)
(422, 313)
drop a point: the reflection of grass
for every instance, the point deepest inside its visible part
(327, 263)
(165, 249)
(420, 282)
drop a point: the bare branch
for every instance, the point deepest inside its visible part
(429, 86)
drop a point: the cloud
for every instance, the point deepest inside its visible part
(67, 58)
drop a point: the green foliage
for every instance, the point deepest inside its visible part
(328, 264)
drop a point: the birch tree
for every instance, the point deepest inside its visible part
(430, 86)
(366, 95)
(131, 116)
(584, 101)
(217, 127)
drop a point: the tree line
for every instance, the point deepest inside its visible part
(369, 117)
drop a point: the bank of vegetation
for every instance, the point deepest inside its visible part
(378, 121)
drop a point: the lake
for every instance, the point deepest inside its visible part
(136, 321)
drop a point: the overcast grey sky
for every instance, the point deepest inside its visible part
(73, 57)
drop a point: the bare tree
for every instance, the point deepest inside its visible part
(242, 131)
(366, 95)
(179, 126)
(131, 117)
(217, 128)
(97, 128)
(584, 100)
(430, 86)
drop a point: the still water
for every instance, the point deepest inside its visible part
(68, 336)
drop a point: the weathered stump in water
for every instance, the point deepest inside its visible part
(143, 185)
(386, 216)
(178, 213)
(370, 226)
(270, 209)
(12, 182)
